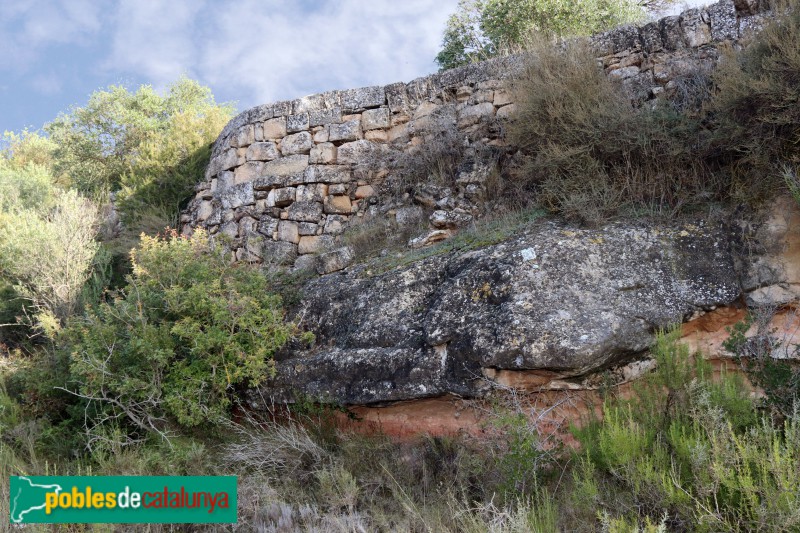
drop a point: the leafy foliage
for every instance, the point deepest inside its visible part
(150, 147)
(188, 328)
(480, 29)
(47, 251)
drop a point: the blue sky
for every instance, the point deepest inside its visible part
(54, 53)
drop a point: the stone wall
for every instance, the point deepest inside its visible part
(285, 179)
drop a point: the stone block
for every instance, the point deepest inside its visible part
(325, 116)
(724, 23)
(274, 128)
(262, 151)
(323, 154)
(472, 115)
(309, 244)
(334, 224)
(225, 180)
(671, 33)
(307, 228)
(247, 172)
(295, 123)
(280, 252)
(357, 152)
(237, 196)
(305, 212)
(244, 137)
(335, 260)
(397, 97)
(283, 196)
(228, 160)
(286, 166)
(378, 136)
(338, 188)
(374, 119)
(321, 136)
(696, 31)
(297, 143)
(327, 174)
(338, 205)
(305, 263)
(502, 98)
(355, 100)
(267, 226)
(288, 231)
(364, 191)
(282, 109)
(310, 193)
(204, 211)
(346, 131)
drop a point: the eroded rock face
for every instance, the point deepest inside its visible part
(559, 298)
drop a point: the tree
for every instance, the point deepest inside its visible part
(150, 148)
(483, 28)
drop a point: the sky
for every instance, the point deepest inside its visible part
(55, 53)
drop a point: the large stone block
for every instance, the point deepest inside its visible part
(474, 114)
(355, 100)
(327, 174)
(286, 166)
(298, 143)
(262, 151)
(237, 196)
(373, 119)
(325, 116)
(305, 211)
(244, 137)
(283, 196)
(357, 152)
(247, 172)
(338, 205)
(323, 154)
(696, 31)
(295, 123)
(274, 129)
(346, 131)
(335, 260)
(288, 231)
(724, 22)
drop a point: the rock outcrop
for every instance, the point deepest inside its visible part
(558, 298)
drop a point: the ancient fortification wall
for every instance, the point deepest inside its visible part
(286, 178)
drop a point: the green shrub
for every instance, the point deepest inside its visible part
(172, 347)
(693, 450)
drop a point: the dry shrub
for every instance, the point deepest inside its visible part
(588, 153)
(758, 106)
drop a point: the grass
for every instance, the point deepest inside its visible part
(480, 234)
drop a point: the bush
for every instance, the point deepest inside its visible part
(175, 343)
(756, 104)
(588, 154)
(695, 451)
(47, 253)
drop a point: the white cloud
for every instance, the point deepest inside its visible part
(257, 51)
(28, 28)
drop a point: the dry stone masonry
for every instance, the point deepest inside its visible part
(285, 179)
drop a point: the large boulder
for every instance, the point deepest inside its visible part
(557, 297)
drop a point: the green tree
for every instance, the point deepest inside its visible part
(188, 328)
(151, 148)
(480, 29)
